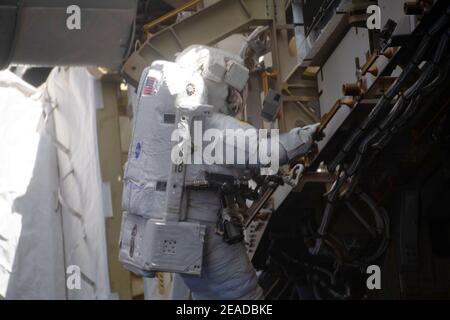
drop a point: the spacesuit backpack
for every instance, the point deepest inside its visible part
(152, 237)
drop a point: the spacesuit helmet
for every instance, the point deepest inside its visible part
(224, 74)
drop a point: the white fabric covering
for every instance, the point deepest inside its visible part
(31, 261)
(51, 207)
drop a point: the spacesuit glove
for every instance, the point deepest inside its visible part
(299, 141)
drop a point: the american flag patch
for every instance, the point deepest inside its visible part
(149, 86)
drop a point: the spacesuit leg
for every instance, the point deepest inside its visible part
(227, 273)
(179, 290)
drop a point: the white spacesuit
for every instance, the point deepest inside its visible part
(226, 271)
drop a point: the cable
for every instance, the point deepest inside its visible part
(407, 101)
(387, 97)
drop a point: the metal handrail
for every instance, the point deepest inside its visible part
(170, 14)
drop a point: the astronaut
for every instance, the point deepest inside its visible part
(226, 271)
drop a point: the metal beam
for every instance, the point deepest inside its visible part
(208, 26)
(109, 145)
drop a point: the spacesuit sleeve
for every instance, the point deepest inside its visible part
(260, 148)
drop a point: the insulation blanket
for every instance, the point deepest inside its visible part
(51, 209)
